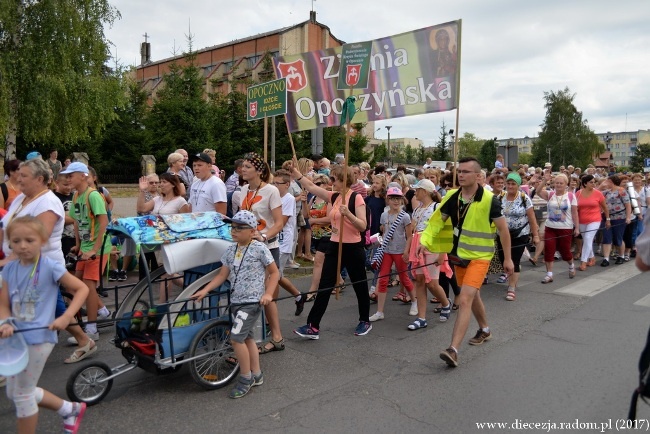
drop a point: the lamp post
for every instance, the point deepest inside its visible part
(452, 145)
(390, 159)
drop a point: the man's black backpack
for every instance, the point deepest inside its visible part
(644, 380)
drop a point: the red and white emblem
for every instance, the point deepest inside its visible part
(295, 74)
(252, 109)
(352, 75)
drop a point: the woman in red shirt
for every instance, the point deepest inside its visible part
(590, 204)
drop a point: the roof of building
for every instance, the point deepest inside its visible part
(248, 38)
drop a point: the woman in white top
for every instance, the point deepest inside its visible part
(561, 225)
(170, 201)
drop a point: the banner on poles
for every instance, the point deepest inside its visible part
(410, 74)
(266, 99)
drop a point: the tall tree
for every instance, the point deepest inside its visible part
(565, 133)
(181, 117)
(469, 145)
(54, 85)
(637, 162)
(488, 154)
(441, 151)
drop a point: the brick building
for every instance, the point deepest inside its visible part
(240, 59)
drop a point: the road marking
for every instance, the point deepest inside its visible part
(645, 301)
(600, 282)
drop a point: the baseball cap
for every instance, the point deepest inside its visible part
(548, 165)
(33, 155)
(243, 217)
(203, 157)
(75, 167)
(394, 191)
(425, 184)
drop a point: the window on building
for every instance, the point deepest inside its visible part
(228, 66)
(207, 70)
(252, 61)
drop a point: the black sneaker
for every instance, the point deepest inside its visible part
(121, 275)
(633, 253)
(300, 304)
(605, 263)
(619, 260)
(113, 275)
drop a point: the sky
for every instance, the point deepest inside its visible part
(512, 52)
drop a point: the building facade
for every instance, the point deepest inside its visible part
(622, 145)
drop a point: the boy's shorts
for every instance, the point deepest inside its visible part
(244, 319)
(284, 260)
(90, 268)
(474, 274)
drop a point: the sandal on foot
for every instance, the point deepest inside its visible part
(533, 261)
(310, 297)
(572, 273)
(454, 306)
(435, 300)
(510, 295)
(400, 296)
(373, 297)
(503, 278)
(547, 279)
(419, 323)
(582, 266)
(82, 352)
(276, 346)
(392, 283)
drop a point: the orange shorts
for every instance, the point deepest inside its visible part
(474, 274)
(89, 270)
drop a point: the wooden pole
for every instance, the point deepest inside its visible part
(455, 175)
(266, 138)
(343, 201)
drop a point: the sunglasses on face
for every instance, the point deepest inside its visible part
(318, 183)
(239, 228)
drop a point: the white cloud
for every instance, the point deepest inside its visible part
(512, 51)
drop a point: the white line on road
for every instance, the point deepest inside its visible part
(600, 282)
(645, 301)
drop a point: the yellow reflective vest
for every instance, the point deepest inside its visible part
(476, 239)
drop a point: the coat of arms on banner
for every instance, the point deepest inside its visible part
(252, 109)
(295, 74)
(352, 75)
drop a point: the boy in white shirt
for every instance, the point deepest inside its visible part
(282, 181)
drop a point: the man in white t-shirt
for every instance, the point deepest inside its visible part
(207, 193)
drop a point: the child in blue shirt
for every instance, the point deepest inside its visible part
(27, 300)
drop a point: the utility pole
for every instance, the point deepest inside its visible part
(390, 157)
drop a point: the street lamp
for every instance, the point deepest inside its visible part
(390, 160)
(452, 145)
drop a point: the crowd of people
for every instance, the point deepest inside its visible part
(416, 230)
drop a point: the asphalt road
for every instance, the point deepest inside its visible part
(562, 352)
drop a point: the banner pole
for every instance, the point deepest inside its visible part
(266, 138)
(343, 201)
(454, 174)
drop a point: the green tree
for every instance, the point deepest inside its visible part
(54, 85)
(488, 154)
(441, 151)
(469, 145)
(181, 117)
(565, 133)
(525, 158)
(125, 139)
(637, 162)
(379, 155)
(357, 144)
(409, 154)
